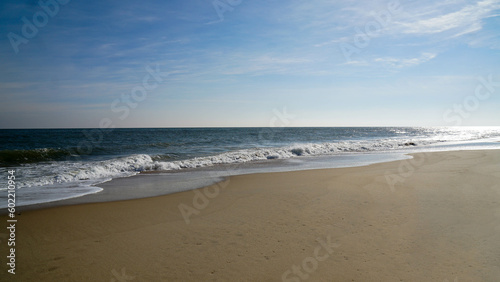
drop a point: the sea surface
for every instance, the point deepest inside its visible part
(55, 164)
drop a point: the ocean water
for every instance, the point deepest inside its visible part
(54, 164)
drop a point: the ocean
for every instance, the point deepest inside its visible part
(55, 164)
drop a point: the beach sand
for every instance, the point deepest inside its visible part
(439, 221)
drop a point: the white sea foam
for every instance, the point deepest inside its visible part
(94, 172)
(98, 171)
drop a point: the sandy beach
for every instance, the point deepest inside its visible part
(433, 218)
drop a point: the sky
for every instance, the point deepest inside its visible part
(238, 63)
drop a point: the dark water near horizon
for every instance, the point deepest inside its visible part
(75, 159)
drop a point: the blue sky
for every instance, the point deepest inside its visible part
(238, 63)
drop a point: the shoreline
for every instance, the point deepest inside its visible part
(76, 192)
(196, 178)
(159, 183)
(440, 221)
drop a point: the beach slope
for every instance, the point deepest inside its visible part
(433, 218)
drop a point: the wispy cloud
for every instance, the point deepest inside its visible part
(447, 19)
(391, 62)
(399, 63)
(257, 64)
(466, 20)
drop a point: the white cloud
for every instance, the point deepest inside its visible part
(399, 63)
(466, 20)
(447, 19)
(388, 63)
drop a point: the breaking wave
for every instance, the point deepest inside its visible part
(98, 171)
